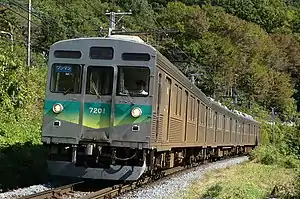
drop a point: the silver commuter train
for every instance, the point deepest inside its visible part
(113, 111)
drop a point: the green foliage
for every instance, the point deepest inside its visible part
(283, 150)
(22, 158)
(268, 14)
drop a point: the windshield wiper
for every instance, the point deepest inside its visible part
(127, 94)
(96, 91)
(67, 91)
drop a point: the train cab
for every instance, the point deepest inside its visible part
(98, 107)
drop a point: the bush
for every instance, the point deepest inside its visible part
(266, 154)
(271, 154)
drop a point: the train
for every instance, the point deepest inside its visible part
(117, 109)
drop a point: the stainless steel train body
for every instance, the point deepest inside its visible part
(117, 109)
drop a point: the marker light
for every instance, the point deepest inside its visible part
(136, 112)
(57, 108)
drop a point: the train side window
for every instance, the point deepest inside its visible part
(180, 100)
(176, 99)
(159, 90)
(230, 129)
(133, 81)
(220, 121)
(212, 118)
(203, 113)
(224, 122)
(189, 107)
(67, 54)
(135, 56)
(158, 105)
(99, 80)
(66, 78)
(105, 53)
(193, 109)
(249, 129)
(198, 111)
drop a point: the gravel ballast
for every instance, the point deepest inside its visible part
(25, 191)
(169, 187)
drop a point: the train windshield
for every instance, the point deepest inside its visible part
(133, 81)
(66, 78)
(99, 80)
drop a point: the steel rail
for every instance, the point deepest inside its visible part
(53, 193)
(117, 190)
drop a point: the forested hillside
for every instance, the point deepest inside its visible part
(250, 49)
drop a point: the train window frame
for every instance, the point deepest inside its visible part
(53, 68)
(203, 113)
(102, 58)
(64, 52)
(88, 78)
(127, 56)
(118, 92)
(176, 99)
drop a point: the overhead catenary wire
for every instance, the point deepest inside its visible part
(20, 6)
(98, 10)
(20, 15)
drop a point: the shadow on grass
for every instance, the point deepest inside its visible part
(22, 165)
(213, 192)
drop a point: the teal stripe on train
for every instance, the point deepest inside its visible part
(123, 114)
(97, 115)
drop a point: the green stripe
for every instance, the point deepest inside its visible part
(97, 115)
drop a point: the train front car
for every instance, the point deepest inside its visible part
(97, 113)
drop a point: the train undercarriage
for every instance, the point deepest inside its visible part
(94, 161)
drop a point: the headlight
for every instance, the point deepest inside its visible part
(136, 112)
(57, 108)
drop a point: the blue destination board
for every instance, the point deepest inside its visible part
(63, 69)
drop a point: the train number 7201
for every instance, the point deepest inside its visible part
(97, 110)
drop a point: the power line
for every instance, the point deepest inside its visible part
(97, 10)
(20, 6)
(21, 15)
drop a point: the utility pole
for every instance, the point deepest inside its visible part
(29, 31)
(112, 19)
(273, 123)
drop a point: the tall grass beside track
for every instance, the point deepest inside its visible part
(268, 168)
(247, 180)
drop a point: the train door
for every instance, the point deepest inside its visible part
(206, 125)
(230, 131)
(236, 132)
(197, 120)
(186, 96)
(97, 101)
(158, 108)
(216, 122)
(224, 133)
(167, 107)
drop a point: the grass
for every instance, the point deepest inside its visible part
(247, 180)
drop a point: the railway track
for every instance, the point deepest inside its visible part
(56, 193)
(67, 191)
